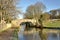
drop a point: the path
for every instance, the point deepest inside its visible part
(7, 35)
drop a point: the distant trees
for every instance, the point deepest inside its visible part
(8, 10)
(46, 16)
(55, 14)
(34, 11)
(29, 12)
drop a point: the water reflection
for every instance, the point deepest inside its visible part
(32, 37)
(35, 35)
(21, 32)
(53, 36)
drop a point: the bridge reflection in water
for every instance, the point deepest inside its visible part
(34, 35)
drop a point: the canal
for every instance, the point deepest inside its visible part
(32, 34)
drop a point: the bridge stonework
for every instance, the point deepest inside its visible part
(17, 23)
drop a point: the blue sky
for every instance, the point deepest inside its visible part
(50, 4)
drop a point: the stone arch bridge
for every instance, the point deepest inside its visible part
(17, 23)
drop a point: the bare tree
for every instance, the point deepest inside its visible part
(8, 9)
(34, 11)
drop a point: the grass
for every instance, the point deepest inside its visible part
(55, 23)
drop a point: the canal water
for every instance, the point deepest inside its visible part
(33, 35)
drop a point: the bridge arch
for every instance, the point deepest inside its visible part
(18, 22)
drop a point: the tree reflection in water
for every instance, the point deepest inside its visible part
(54, 35)
(40, 35)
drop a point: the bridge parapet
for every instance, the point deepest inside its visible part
(17, 23)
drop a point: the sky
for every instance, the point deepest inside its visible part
(50, 4)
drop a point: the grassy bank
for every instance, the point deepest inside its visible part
(55, 23)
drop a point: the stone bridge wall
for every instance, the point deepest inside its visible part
(16, 23)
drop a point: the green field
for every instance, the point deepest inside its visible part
(52, 24)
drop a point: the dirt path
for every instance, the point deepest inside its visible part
(7, 35)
